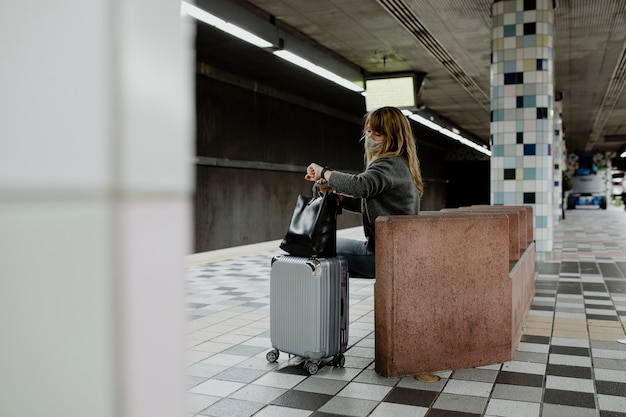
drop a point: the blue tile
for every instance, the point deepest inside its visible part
(510, 66)
(530, 173)
(509, 198)
(541, 222)
(497, 115)
(530, 41)
(509, 30)
(530, 149)
(530, 101)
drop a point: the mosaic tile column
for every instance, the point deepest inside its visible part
(522, 100)
(560, 163)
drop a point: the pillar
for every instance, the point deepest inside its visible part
(96, 147)
(560, 163)
(522, 100)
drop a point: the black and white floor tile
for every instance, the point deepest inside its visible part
(568, 364)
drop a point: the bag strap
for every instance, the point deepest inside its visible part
(317, 193)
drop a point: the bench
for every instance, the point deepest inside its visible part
(453, 288)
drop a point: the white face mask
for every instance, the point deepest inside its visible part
(373, 146)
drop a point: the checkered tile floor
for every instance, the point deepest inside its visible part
(568, 364)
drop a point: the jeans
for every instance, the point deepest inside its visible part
(361, 262)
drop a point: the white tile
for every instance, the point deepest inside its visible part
(471, 388)
(569, 384)
(610, 375)
(276, 411)
(555, 359)
(58, 296)
(533, 347)
(321, 386)
(601, 312)
(216, 388)
(274, 379)
(560, 341)
(224, 359)
(365, 391)
(612, 403)
(259, 341)
(198, 402)
(398, 410)
(507, 408)
(258, 393)
(341, 374)
(608, 354)
(525, 367)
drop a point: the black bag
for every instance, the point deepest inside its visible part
(313, 228)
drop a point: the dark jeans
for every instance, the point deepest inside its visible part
(361, 262)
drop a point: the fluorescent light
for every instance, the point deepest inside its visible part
(206, 17)
(198, 13)
(316, 69)
(425, 122)
(245, 35)
(449, 133)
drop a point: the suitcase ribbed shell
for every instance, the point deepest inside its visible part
(309, 306)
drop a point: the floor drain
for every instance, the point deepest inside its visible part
(427, 377)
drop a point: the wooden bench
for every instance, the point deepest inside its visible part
(450, 292)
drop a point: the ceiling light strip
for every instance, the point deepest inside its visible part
(208, 18)
(444, 131)
(316, 69)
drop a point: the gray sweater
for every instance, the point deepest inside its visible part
(384, 188)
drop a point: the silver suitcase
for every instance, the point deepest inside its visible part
(309, 309)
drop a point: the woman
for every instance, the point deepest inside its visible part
(390, 185)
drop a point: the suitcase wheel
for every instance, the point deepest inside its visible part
(311, 367)
(272, 356)
(339, 360)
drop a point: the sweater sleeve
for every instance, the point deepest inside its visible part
(376, 179)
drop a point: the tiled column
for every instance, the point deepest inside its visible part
(560, 151)
(522, 100)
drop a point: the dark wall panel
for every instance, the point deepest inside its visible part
(240, 124)
(468, 183)
(237, 206)
(242, 206)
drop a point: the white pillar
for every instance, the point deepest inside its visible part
(96, 134)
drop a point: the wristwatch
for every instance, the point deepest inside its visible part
(323, 172)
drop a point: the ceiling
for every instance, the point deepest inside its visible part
(449, 40)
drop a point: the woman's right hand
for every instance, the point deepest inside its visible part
(313, 172)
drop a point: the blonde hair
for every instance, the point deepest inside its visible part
(399, 141)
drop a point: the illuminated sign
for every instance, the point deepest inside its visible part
(393, 90)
